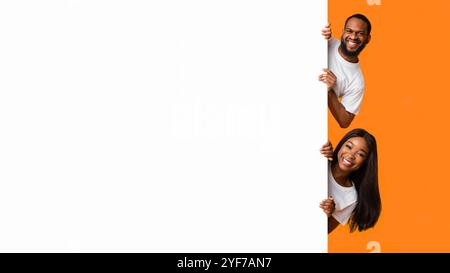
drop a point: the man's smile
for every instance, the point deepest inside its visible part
(353, 44)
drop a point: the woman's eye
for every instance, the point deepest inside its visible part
(348, 146)
(362, 155)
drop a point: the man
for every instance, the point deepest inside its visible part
(343, 77)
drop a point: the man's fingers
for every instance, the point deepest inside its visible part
(331, 74)
(330, 80)
(328, 72)
(323, 80)
(330, 77)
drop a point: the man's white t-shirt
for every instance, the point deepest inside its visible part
(350, 81)
(345, 198)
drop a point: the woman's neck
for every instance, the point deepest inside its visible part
(341, 177)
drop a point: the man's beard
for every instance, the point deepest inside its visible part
(351, 53)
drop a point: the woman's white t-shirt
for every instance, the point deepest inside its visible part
(345, 198)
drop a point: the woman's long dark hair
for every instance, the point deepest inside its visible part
(368, 208)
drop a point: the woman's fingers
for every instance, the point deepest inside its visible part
(327, 150)
(327, 205)
(326, 145)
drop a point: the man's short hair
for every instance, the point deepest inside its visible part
(360, 17)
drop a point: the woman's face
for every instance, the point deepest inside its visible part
(353, 154)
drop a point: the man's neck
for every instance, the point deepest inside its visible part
(348, 58)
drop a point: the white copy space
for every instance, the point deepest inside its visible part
(161, 126)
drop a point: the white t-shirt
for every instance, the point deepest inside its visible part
(345, 198)
(350, 81)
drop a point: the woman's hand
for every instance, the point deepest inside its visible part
(327, 150)
(328, 206)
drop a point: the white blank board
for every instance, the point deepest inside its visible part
(162, 126)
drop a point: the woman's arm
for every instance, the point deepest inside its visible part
(332, 224)
(328, 206)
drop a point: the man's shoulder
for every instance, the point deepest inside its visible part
(333, 43)
(354, 74)
(358, 77)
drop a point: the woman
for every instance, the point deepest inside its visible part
(352, 182)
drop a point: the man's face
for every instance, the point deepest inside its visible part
(355, 37)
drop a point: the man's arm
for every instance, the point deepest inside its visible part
(341, 115)
(338, 111)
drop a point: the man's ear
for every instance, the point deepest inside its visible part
(368, 39)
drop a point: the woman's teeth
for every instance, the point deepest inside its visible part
(347, 162)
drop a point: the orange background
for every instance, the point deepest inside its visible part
(405, 107)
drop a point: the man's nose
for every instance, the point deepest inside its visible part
(353, 36)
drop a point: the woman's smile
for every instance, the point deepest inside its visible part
(347, 162)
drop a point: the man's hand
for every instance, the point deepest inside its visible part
(326, 32)
(327, 150)
(328, 206)
(328, 78)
